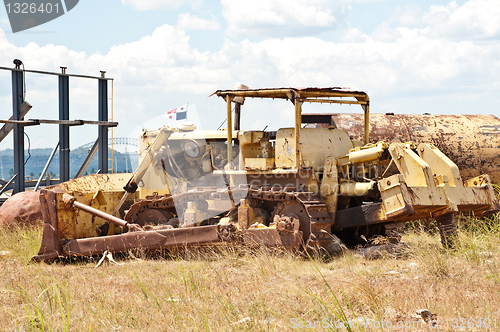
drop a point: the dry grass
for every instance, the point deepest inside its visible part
(237, 290)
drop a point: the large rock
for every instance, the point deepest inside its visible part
(380, 251)
(21, 209)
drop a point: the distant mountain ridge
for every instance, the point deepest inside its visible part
(122, 162)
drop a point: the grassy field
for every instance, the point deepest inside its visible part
(239, 290)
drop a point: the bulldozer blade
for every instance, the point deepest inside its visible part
(150, 240)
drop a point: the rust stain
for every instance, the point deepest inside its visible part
(470, 141)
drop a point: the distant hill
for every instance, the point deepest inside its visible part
(34, 166)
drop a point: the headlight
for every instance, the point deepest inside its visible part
(191, 148)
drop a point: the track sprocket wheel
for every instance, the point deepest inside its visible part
(295, 210)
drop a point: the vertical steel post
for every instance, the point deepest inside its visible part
(229, 98)
(366, 108)
(17, 100)
(237, 114)
(103, 130)
(64, 129)
(298, 122)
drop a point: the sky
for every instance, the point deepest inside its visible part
(438, 57)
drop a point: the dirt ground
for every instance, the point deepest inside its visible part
(234, 289)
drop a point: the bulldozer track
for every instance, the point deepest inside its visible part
(319, 217)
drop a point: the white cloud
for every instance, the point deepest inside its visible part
(437, 15)
(389, 60)
(405, 70)
(280, 18)
(385, 34)
(365, 1)
(353, 36)
(153, 4)
(4, 21)
(187, 21)
(475, 19)
(408, 16)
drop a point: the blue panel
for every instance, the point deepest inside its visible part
(181, 116)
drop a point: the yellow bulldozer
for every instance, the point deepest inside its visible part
(302, 187)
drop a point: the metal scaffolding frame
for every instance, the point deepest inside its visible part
(18, 123)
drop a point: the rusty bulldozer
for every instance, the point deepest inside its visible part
(298, 188)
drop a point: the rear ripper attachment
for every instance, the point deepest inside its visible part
(295, 188)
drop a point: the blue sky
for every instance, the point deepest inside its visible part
(438, 57)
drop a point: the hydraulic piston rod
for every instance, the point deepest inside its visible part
(71, 201)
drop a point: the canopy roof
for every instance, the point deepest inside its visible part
(297, 96)
(325, 95)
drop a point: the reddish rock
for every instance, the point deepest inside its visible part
(21, 209)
